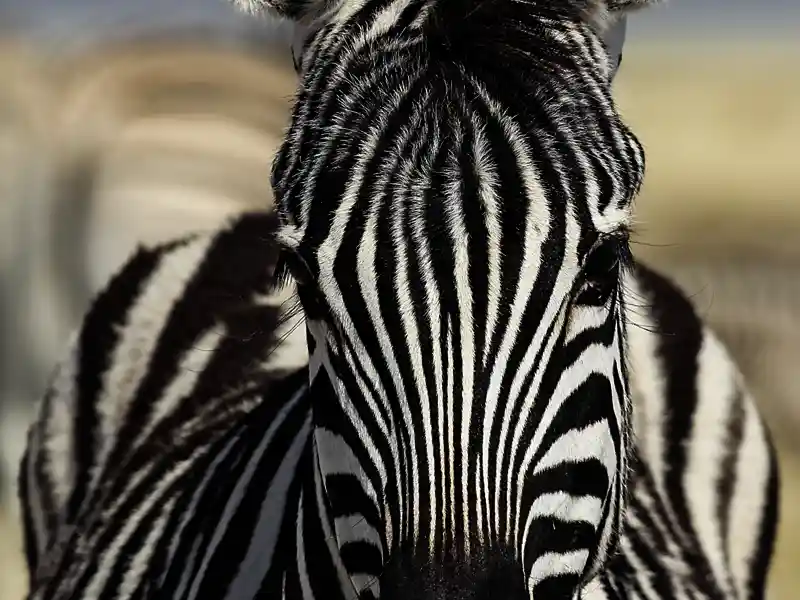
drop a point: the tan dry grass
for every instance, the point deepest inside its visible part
(721, 130)
(13, 576)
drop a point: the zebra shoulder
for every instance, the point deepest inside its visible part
(171, 346)
(700, 436)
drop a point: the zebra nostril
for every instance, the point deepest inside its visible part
(486, 575)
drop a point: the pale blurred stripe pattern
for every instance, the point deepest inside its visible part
(100, 151)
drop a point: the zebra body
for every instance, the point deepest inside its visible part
(234, 511)
(453, 196)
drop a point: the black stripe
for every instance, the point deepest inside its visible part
(222, 284)
(98, 339)
(239, 530)
(30, 545)
(42, 465)
(170, 568)
(768, 530)
(727, 481)
(679, 345)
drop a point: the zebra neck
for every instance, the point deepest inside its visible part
(352, 494)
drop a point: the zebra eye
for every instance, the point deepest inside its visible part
(297, 267)
(601, 271)
(314, 305)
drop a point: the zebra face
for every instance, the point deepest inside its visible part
(454, 191)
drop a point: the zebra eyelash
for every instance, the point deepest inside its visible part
(602, 269)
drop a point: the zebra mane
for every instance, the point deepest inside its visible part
(605, 13)
(600, 13)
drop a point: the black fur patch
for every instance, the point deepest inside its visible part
(492, 575)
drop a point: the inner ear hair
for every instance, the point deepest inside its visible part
(630, 5)
(603, 14)
(599, 15)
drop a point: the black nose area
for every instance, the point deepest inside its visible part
(495, 575)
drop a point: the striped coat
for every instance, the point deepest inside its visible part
(478, 417)
(178, 429)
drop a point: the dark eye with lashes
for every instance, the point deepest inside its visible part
(601, 271)
(293, 264)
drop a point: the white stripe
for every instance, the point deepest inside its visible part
(553, 564)
(291, 351)
(367, 271)
(138, 338)
(193, 363)
(300, 552)
(112, 553)
(594, 441)
(336, 457)
(569, 380)
(648, 388)
(419, 185)
(58, 423)
(262, 547)
(140, 561)
(566, 507)
(403, 296)
(189, 513)
(459, 238)
(578, 445)
(749, 496)
(333, 543)
(706, 450)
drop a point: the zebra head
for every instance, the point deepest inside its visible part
(455, 192)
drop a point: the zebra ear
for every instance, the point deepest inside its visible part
(294, 10)
(604, 14)
(626, 6)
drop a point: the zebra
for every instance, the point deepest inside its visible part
(455, 193)
(176, 326)
(172, 356)
(498, 400)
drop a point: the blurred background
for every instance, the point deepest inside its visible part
(125, 122)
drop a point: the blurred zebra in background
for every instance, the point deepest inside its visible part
(132, 141)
